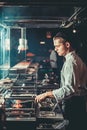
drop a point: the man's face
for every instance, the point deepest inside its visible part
(60, 47)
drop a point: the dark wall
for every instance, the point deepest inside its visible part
(35, 35)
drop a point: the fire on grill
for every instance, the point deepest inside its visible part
(19, 109)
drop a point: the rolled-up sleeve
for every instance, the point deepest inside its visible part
(62, 92)
(68, 81)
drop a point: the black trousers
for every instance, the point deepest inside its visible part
(74, 110)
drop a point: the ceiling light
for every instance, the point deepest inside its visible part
(42, 42)
(74, 30)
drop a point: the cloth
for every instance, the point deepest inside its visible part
(73, 77)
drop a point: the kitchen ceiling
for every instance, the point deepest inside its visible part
(41, 13)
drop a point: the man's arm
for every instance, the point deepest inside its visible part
(43, 96)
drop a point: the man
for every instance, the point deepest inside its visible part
(72, 89)
(53, 60)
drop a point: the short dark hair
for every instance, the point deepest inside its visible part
(63, 35)
(67, 36)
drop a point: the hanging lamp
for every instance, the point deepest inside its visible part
(22, 41)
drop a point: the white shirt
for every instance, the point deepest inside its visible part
(73, 77)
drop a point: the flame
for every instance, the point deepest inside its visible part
(30, 54)
(17, 104)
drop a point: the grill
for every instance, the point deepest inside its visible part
(19, 110)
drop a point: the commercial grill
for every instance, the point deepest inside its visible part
(20, 111)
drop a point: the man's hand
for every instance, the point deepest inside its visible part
(40, 97)
(43, 96)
